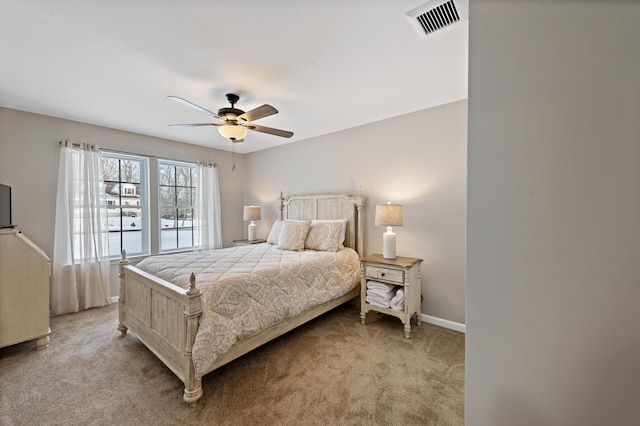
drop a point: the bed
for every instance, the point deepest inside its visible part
(197, 311)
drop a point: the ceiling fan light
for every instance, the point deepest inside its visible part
(232, 131)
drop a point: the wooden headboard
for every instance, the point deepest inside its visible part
(329, 206)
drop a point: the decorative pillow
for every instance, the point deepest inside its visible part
(324, 236)
(344, 227)
(293, 235)
(274, 234)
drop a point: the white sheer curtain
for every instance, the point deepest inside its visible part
(208, 207)
(80, 277)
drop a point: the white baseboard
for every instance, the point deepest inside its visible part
(444, 323)
(115, 299)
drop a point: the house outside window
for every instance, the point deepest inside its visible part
(126, 187)
(176, 200)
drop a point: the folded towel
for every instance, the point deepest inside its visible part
(376, 300)
(387, 295)
(376, 285)
(397, 302)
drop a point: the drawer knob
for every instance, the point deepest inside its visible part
(382, 274)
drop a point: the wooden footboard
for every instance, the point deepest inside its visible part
(165, 318)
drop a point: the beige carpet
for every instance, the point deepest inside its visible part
(331, 371)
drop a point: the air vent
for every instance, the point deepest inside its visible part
(437, 14)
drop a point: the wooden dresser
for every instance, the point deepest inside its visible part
(24, 290)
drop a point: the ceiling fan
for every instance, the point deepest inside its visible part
(235, 123)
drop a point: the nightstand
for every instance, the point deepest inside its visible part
(237, 243)
(401, 272)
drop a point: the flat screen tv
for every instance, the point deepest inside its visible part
(5, 206)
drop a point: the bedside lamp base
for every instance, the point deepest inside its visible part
(389, 244)
(252, 232)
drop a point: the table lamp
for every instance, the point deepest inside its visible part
(389, 215)
(252, 213)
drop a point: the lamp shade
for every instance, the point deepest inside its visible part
(251, 213)
(388, 214)
(232, 131)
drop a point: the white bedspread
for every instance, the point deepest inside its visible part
(249, 288)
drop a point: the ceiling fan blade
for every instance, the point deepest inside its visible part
(192, 105)
(269, 130)
(194, 124)
(260, 112)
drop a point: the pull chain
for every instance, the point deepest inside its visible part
(233, 156)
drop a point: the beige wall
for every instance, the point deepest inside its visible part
(553, 278)
(29, 153)
(417, 160)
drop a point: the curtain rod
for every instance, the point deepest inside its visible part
(77, 145)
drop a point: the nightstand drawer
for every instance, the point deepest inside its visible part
(387, 274)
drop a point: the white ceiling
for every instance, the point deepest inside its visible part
(326, 65)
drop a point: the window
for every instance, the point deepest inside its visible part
(125, 178)
(176, 195)
(142, 227)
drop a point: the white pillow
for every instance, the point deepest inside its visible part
(274, 234)
(344, 227)
(293, 235)
(324, 236)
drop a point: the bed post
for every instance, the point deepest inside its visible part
(121, 264)
(192, 385)
(281, 206)
(360, 229)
